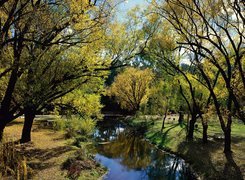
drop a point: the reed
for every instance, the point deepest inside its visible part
(12, 164)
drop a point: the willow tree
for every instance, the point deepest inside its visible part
(45, 46)
(215, 35)
(131, 88)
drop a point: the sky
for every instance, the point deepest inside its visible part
(129, 4)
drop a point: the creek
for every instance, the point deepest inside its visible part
(128, 156)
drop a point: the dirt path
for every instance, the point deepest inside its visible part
(46, 153)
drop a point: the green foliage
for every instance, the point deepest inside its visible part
(64, 49)
(164, 95)
(84, 101)
(76, 126)
(60, 124)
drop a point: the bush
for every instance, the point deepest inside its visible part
(12, 164)
(60, 124)
(75, 126)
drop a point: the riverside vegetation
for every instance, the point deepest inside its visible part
(207, 160)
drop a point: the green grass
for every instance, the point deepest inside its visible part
(207, 160)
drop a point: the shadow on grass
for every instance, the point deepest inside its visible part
(208, 160)
(236, 139)
(40, 165)
(162, 136)
(37, 157)
(231, 169)
(46, 154)
(19, 122)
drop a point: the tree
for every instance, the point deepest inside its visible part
(168, 63)
(215, 35)
(102, 52)
(131, 88)
(49, 33)
(127, 40)
(56, 75)
(163, 97)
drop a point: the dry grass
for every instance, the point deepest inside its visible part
(12, 164)
(47, 151)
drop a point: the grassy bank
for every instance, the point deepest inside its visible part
(51, 156)
(208, 160)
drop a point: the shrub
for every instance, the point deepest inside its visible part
(60, 124)
(75, 126)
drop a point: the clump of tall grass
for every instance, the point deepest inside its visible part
(76, 126)
(12, 164)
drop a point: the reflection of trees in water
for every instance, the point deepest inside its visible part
(108, 133)
(135, 153)
(167, 167)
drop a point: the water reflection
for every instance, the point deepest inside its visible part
(127, 156)
(107, 131)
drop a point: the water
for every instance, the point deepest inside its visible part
(128, 157)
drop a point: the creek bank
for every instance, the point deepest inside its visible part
(207, 160)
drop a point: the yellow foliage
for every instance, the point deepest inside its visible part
(131, 88)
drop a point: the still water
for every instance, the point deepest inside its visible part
(129, 157)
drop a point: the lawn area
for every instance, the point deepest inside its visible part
(207, 160)
(48, 151)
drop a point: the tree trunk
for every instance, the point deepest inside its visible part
(204, 130)
(26, 131)
(227, 130)
(181, 117)
(2, 126)
(4, 120)
(187, 122)
(227, 148)
(205, 133)
(191, 128)
(163, 119)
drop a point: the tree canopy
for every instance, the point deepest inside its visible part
(131, 88)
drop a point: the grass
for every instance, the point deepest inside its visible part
(207, 160)
(48, 151)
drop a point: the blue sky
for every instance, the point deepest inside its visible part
(129, 4)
